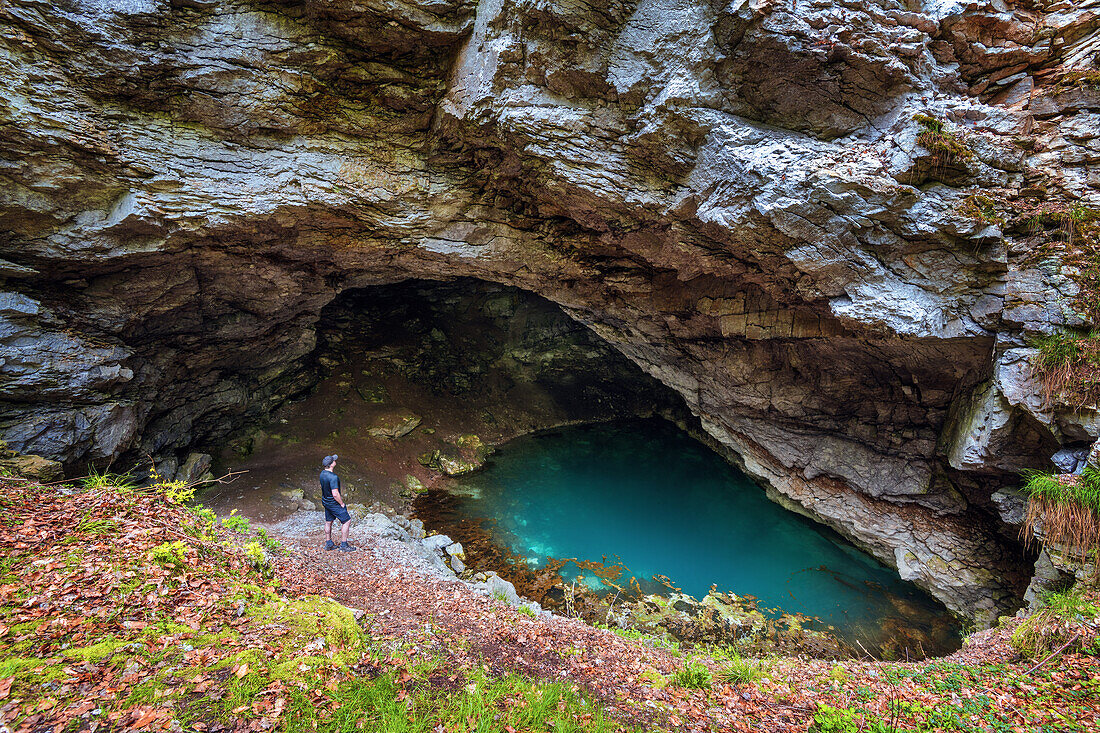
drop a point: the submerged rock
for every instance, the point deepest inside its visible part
(466, 455)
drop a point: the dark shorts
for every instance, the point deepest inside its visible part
(335, 511)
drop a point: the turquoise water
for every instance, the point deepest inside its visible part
(651, 496)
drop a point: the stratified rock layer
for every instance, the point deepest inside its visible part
(731, 194)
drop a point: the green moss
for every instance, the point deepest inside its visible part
(982, 208)
(1078, 78)
(97, 652)
(18, 666)
(312, 621)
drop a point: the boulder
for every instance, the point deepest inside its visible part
(194, 468)
(438, 541)
(394, 424)
(33, 467)
(501, 589)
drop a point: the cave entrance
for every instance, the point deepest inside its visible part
(417, 379)
(413, 384)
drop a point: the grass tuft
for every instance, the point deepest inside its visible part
(1067, 507)
(1068, 366)
(694, 676)
(945, 146)
(741, 671)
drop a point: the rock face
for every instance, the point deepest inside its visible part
(731, 194)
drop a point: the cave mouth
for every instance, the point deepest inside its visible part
(406, 375)
(414, 383)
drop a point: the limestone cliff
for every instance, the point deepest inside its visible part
(733, 194)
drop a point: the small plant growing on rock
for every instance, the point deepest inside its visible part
(1057, 624)
(1068, 366)
(946, 147)
(1077, 79)
(983, 209)
(1067, 506)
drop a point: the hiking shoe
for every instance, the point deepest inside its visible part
(345, 547)
(330, 545)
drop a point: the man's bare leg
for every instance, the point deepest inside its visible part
(328, 531)
(344, 529)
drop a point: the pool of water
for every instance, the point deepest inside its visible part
(648, 495)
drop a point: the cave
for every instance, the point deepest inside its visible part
(427, 362)
(789, 265)
(426, 390)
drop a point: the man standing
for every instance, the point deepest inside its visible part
(335, 507)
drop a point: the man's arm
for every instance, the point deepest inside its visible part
(339, 499)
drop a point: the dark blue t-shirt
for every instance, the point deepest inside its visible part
(329, 482)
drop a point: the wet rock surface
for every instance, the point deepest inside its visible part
(732, 196)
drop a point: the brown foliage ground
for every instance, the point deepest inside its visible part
(101, 627)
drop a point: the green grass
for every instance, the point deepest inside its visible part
(694, 676)
(1067, 508)
(741, 671)
(1062, 349)
(1084, 492)
(96, 480)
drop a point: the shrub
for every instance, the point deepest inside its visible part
(206, 516)
(255, 555)
(236, 523)
(1068, 508)
(694, 676)
(170, 554)
(175, 492)
(270, 543)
